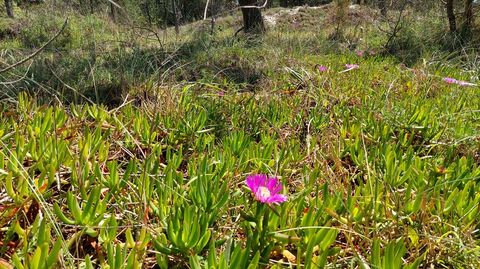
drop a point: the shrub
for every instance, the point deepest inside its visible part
(406, 45)
(43, 28)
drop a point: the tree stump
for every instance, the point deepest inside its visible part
(252, 17)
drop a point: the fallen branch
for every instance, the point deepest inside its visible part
(31, 56)
(257, 7)
(237, 7)
(205, 11)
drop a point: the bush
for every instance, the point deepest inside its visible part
(406, 45)
(43, 28)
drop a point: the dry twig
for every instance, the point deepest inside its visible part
(31, 56)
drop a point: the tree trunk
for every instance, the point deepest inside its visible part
(383, 7)
(451, 16)
(92, 7)
(162, 13)
(9, 8)
(112, 11)
(252, 17)
(175, 16)
(468, 16)
(81, 6)
(147, 12)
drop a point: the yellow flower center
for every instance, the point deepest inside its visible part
(263, 192)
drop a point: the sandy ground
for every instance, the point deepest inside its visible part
(271, 19)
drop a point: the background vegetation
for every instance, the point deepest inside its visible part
(127, 133)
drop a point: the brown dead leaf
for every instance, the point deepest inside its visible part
(5, 265)
(290, 257)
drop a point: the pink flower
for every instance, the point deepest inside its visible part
(266, 190)
(465, 83)
(359, 53)
(322, 68)
(450, 80)
(352, 66)
(458, 82)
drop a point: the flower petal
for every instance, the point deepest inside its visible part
(450, 80)
(255, 181)
(277, 199)
(266, 190)
(458, 82)
(274, 185)
(352, 66)
(262, 199)
(322, 68)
